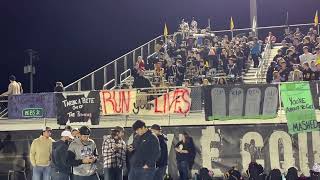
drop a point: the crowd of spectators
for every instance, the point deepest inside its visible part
(195, 57)
(298, 59)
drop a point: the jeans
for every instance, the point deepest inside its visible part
(183, 168)
(160, 173)
(92, 177)
(113, 174)
(41, 173)
(59, 175)
(255, 59)
(141, 174)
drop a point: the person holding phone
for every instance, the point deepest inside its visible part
(82, 155)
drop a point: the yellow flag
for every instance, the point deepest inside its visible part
(165, 31)
(231, 24)
(316, 19)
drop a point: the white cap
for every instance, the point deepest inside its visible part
(67, 134)
(316, 168)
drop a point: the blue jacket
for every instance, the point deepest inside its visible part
(256, 49)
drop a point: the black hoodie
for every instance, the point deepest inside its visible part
(163, 160)
(59, 157)
(146, 151)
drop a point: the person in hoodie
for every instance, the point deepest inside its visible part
(114, 154)
(145, 153)
(255, 172)
(82, 155)
(61, 170)
(162, 162)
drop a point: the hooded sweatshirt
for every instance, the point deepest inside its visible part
(77, 151)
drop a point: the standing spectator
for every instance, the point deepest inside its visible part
(307, 73)
(276, 77)
(317, 55)
(59, 87)
(14, 88)
(82, 155)
(273, 67)
(75, 133)
(306, 56)
(292, 174)
(255, 52)
(270, 39)
(162, 162)
(114, 154)
(284, 71)
(140, 81)
(185, 154)
(180, 73)
(278, 56)
(255, 172)
(296, 74)
(140, 64)
(40, 155)
(194, 25)
(146, 151)
(61, 170)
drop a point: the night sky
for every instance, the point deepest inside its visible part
(74, 37)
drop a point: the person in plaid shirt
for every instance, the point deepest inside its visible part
(114, 154)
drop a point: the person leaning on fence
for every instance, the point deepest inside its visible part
(82, 155)
(61, 170)
(14, 88)
(114, 154)
(40, 155)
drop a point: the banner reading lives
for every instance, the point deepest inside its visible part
(147, 102)
(298, 105)
(241, 101)
(75, 107)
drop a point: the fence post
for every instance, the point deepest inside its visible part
(125, 62)
(141, 52)
(115, 73)
(92, 81)
(104, 75)
(134, 57)
(148, 49)
(79, 85)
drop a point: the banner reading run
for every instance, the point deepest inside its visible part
(298, 106)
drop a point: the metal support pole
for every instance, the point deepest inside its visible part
(79, 85)
(141, 52)
(115, 73)
(104, 75)
(125, 62)
(134, 57)
(92, 82)
(149, 49)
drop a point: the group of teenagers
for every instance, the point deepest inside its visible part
(75, 156)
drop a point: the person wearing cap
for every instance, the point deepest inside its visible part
(145, 153)
(284, 70)
(75, 133)
(40, 155)
(82, 155)
(306, 56)
(61, 170)
(114, 154)
(162, 162)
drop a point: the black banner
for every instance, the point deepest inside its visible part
(241, 101)
(78, 107)
(218, 147)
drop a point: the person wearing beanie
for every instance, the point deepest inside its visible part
(145, 153)
(82, 155)
(40, 155)
(162, 162)
(61, 170)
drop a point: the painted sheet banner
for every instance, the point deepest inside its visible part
(256, 101)
(40, 105)
(145, 102)
(298, 106)
(78, 107)
(217, 147)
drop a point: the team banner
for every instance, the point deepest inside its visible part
(78, 107)
(298, 105)
(145, 102)
(41, 105)
(218, 147)
(224, 102)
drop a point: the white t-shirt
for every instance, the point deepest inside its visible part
(306, 58)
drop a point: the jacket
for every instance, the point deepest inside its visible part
(113, 157)
(59, 157)
(40, 151)
(146, 151)
(163, 160)
(79, 150)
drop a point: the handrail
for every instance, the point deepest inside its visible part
(124, 73)
(106, 85)
(111, 62)
(265, 57)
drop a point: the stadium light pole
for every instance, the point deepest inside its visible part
(30, 69)
(254, 13)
